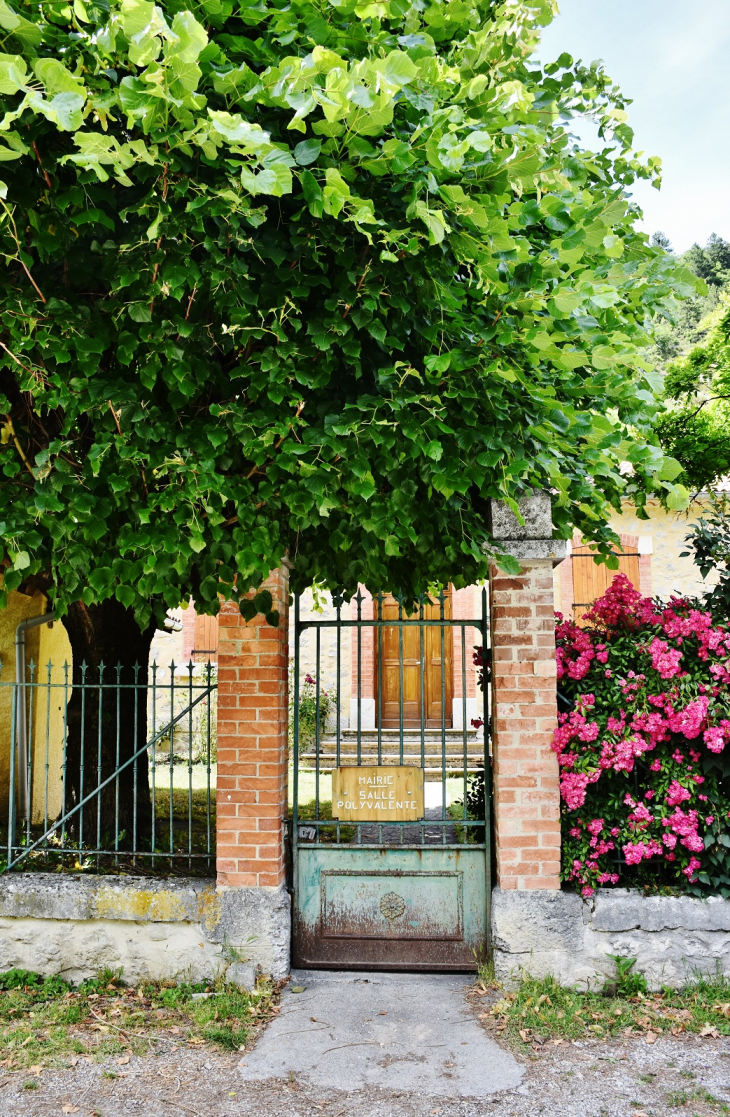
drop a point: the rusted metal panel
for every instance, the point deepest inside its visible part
(391, 909)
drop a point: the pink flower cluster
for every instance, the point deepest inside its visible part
(574, 651)
(674, 702)
(621, 606)
(664, 659)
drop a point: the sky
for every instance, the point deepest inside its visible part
(671, 58)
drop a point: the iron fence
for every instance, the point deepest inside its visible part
(111, 769)
(452, 749)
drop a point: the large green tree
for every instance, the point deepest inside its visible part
(314, 276)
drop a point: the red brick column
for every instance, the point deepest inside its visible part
(526, 790)
(253, 716)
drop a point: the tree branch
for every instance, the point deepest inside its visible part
(22, 263)
(46, 176)
(18, 447)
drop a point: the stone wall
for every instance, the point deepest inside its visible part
(183, 929)
(562, 935)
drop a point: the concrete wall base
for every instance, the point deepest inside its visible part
(543, 933)
(183, 928)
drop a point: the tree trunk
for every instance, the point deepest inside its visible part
(108, 725)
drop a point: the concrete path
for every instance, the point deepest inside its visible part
(406, 1032)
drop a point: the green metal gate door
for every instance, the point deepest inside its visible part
(373, 891)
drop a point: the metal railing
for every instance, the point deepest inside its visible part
(116, 771)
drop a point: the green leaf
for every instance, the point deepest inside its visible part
(433, 220)
(57, 79)
(670, 469)
(678, 498)
(13, 73)
(399, 70)
(307, 152)
(9, 21)
(275, 180)
(139, 312)
(263, 601)
(272, 618)
(247, 609)
(559, 420)
(567, 301)
(235, 130)
(190, 38)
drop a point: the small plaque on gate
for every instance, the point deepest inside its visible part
(377, 794)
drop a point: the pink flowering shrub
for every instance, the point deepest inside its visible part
(641, 743)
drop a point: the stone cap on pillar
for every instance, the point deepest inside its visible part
(532, 539)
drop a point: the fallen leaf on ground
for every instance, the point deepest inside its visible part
(557, 1042)
(524, 1035)
(122, 1060)
(36, 1068)
(298, 988)
(708, 1030)
(651, 1037)
(69, 1109)
(640, 1113)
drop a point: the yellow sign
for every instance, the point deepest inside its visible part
(377, 794)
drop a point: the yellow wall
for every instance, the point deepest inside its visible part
(42, 643)
(55, 648)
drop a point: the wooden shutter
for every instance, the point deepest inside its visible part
(591, 581)
(206, 640)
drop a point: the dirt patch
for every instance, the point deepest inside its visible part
(672, 1076)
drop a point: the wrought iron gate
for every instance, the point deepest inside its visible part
(390, 827)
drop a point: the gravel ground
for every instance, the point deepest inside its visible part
(673, 1076)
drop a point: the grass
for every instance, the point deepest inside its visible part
(81, 861)
(541, 1010)
(49, 1023)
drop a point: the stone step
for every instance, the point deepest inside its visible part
(454, 764)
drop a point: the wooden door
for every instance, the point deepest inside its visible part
(206, 639)
(591, 581)
(391, 674)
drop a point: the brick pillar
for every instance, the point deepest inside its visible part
(526, 788)
(253, 723)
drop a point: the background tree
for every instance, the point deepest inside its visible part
(689, 322)
(321, 278)
(696, 429)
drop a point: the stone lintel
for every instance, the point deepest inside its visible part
(528, 550)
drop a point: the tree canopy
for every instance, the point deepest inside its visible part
(310, 276)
